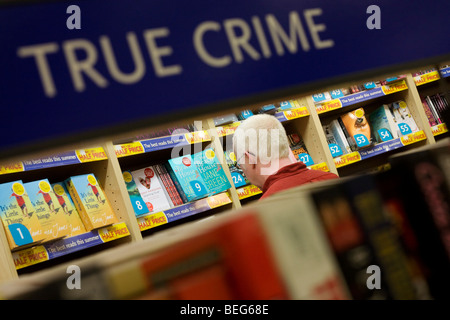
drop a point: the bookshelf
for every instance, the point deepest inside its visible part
(109, 159)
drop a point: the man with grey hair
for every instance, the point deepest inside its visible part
(262, 151)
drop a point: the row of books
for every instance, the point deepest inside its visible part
(370, 237)
(326, 96)
(435, 106)
(161, 186)
(355, 130)
(37, 211)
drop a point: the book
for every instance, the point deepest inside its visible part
(211, 171)
(238, 245)
(68, 207)
(48, 210)
(301, 248)
(429, 113)
(358, 128)
(424, 187)
(348, 241)
(151, 189)
(403, 118)
(89, 199)
(168, 185)
(186, 178)
(198, 175)
(297, 145)
(388, 185)
(382, 236)
(382, 124)
(19, 219)
(340, 137)
(137, 202)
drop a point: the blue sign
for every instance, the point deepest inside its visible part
(123, 66)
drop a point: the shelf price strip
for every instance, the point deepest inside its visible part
(361, 96)
(48, 251)
(439, 129)
(61, 159)
(188, 209)
(379, 148)
(248, 191)
(175, 140)
(445, 72)
(292, 114)
(426, 78)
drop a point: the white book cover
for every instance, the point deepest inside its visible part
(301, 248)
(402, 115)
(340, 137)
(151, 189)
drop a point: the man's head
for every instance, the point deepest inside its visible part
(261, 147)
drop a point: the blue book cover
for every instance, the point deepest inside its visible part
(211, 171)
(382, 123)
(187, 178)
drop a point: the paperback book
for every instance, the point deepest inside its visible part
(151, 189)
(18, 216)
(357, 127)
(90, 201)
(383, 125)
(403, 118)
(68, 207)
(48, 210)
(137, 202)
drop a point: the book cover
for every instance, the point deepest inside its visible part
(382, 236)
(211, 171)
(48, 210)
(169, 185)
(20, 221)
(429, 113)
(383, 125)
(137, 202)
(151, 189)
(90, 201)
(424, 187)
(68, 207)
(297, 146)
(403, 118)
(238, 245)
(301, 248)
(388, 184)
(186, 177)
(340, 138)
(348, 241)
(358, 128)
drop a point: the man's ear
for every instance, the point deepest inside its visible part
(251, 158)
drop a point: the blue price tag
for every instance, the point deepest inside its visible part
(199, 188)
(370, 85)
(337, 93)
(246, 114)
(285, 105)
(238, 179)
(21, 235)
(318, 97)
(384, 134)
(336, 151)
(404, 128)
(361, 140)
(306, 159)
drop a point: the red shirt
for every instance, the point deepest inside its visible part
(293, 175)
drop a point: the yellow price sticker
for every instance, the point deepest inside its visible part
(18, 188)
(44, 186)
